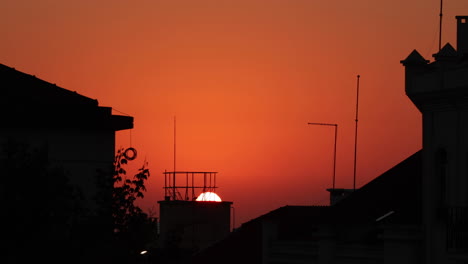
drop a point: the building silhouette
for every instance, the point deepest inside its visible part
(192, 216)
(57, 150)
(416, 212)
(440, 91)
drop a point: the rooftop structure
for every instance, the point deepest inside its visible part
(192, 216)
(188, 185)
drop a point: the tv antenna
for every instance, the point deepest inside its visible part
(174, 144)
(355, 133)
(440, 25)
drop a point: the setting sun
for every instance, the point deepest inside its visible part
(208, 197)
(244, 79)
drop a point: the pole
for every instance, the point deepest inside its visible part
(334, 148)
(174, 144)
(174, 173)
(355, 133)
(334, 156)
(440, 26)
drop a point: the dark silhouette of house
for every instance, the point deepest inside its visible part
(416, 212)
(365, 227)
(192, 215)
(57, 150)
(440, 91)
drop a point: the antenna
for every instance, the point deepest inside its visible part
(355, 133)
(174, 144)
(440, 26)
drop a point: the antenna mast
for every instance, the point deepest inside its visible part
(174, 144)
(355, 133)
(440, 26)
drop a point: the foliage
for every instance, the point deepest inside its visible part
(134, 229)
(46, 214)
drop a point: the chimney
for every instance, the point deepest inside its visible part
(337, 194)
(462, 34)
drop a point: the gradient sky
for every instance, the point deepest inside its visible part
(243, 78)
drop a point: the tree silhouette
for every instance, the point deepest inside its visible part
(134, 229)
(45, 217)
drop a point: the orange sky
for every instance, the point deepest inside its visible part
(243, 78)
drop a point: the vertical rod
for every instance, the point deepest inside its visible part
(355, 133)
(173, 186)
(193, 188)
(130, 137)
(440, 26)
(204, 182)
(165, 184)
(210, 187)
(174, 144)
(174, 173)
(334, 156)
(186, 186)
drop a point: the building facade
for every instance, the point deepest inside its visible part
(57, 151)
(440, 91)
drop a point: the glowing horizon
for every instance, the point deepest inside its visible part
(244, 79)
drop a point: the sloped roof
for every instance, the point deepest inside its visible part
(244, 245)
(294, 220)
(20, 87)
(447, 51)
(29, 102)
(397, 190)
(414, 58)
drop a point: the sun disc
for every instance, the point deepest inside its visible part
(208, 197)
